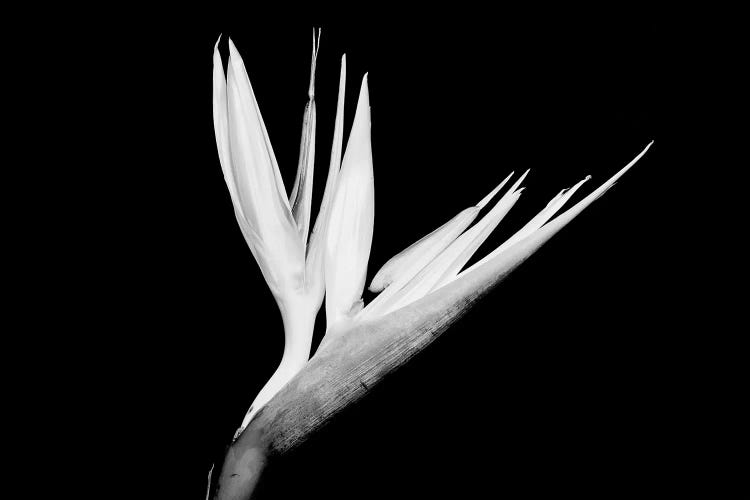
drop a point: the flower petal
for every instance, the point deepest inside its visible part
(260, 190)
(407, 263)
(521, 247)
(349, 232)
(314, 279)
(535, 223)
(455, 255)
(301, 197)
(411, 260)
(221, 126)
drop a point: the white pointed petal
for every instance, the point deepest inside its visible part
(349, 232)
(407, 263)
(255, 122)
(301, 197)
(314, 278)
(403, 292)
(549, 211)
(521, 248)
(460, 255)
(455, 255)
(492, 193)
(221, 126)
(221, 130)
(552, 207)
(259, 192)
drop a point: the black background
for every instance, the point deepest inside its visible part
(557, 382)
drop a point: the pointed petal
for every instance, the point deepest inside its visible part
(221, 126)
(492, 193)
(411, 260)
(314, 278)
(460, 254)
(252, 122)
(221, 130)
(301, 197)
(349, 233)
(552, 207)
(403, 292)
(407, 263)
(522, 248)
(260, 191)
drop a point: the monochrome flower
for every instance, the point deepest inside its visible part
(301, 268)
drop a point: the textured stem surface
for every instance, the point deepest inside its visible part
(343, 370)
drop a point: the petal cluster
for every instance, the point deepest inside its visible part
(302, 266)
(438, 259)
(299, 266)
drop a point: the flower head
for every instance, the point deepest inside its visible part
(300, 268)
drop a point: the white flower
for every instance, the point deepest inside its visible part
(334, 260)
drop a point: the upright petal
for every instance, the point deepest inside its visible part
(349, 232)
(260, 190)
(221, 126)
(301, 197)
(221, 130)
(314, 279)
(220, 122)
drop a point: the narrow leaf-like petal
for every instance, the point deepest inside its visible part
(221, 130)
(301, 197)
(460, 254)
(523, 246)
(237, 66)
(535, 223)
(349, 232)
(221, 126)
(552, 207)
(314, 278)
(260, 191)
(407, 263)
(456, 254)
(419, 254)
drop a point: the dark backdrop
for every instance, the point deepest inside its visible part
(552, 384)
